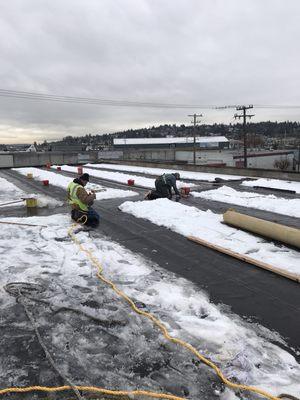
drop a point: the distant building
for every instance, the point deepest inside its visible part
(67, 148)
(32, 148)
(232, 158)
(204, 142)
(210, 151)
(265, 159)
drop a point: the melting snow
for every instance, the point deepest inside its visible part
(120, 177)
(269, 202)
(62, 181)
(274, 183)
(242, 350)
(201, 176)
(10, 193)
(190, 221)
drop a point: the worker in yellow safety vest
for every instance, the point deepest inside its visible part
(81, 202)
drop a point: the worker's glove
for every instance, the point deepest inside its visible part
(92, 193)
(178, 197)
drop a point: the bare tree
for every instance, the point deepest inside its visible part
(282, 164)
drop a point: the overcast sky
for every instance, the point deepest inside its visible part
(200, 52)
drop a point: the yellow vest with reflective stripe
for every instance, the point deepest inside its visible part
(73, 198)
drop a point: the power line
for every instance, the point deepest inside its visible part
(275, 107)
(35, 96)
(94, 101)
(265, 106)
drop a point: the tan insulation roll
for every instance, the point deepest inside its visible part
(271, 230)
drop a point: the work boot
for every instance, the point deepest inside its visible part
(147, 195)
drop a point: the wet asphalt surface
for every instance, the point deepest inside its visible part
(250, 292)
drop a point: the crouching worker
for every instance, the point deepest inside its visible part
(163, 187)
(81, 202)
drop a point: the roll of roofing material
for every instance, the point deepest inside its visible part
(271, 230)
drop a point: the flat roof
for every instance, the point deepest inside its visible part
(170, 140)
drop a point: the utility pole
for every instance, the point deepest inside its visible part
(284, 143)
(195, 122)
(244, 115)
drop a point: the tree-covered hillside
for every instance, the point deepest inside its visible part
(260, 129)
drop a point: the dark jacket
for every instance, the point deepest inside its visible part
(170, 181)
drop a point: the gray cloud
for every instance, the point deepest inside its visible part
(184, 51)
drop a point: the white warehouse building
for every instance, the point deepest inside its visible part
(209, 151)
(212, 142)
